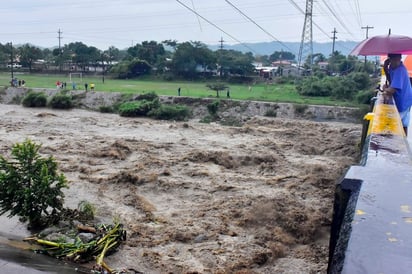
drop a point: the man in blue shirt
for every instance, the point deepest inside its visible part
(399, 87)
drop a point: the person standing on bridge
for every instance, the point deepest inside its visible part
(399, 86)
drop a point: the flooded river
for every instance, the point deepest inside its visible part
(16, 256)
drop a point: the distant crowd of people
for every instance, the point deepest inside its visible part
(63, 85)
(17, 82)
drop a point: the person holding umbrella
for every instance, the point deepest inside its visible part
(399, 86)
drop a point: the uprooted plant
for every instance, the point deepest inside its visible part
(31, 188)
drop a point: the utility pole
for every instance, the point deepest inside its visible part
(60, 50)
(367, 36)
(12, 63)
(334, 39)
(220, 55)
(221, 43)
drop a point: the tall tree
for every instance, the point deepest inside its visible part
(282, 55)
(29, 54)
(191, 58)
(235, 62)
(151, 52)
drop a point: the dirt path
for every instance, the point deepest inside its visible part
(199, 198)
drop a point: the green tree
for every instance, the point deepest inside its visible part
(282, 55)
(30, 186)
(217, 87)
(235, 62)
(131, 68)
(29, 54)
(191, 59)
(5, 51)
(113, 54)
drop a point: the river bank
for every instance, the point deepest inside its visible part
(199, 198)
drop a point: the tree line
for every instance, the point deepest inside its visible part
(186, 60)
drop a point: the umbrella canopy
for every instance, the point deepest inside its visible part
(384, 44)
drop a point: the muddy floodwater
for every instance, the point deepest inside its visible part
(195, 197)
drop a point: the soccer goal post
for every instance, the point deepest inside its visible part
(76, 77)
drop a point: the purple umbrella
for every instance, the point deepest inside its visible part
(384, 44)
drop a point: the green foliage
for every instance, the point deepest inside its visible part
(30, 186)
(361, 80)
(217, 87)
(300, 109)
(170, 112)
(86, 209)
(34, 99)
(213, 108)
(271, 113)
(341, 88)
(150, 96)
(137, 108)
(61, 101)
(131, 69)
(313, 86)
(364, 97)
(106, 109)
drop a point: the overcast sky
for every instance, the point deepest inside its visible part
(122, 23)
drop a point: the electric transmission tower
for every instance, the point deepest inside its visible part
(306, 45)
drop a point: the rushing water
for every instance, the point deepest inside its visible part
(17, 260)
(16, 256)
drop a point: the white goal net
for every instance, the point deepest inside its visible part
(76, 77)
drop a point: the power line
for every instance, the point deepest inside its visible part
(336, 17)
(211, 23)
(303, 12)
(251, 20)
(198, 20)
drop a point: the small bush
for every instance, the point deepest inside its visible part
(30, 186)
(137, 108)
(207, 119)
(168, 112)
(34, 99)
(86, 209)
(213, 108)
(364, 97)
(300, 109)
(314, 86)
(106, 109)
(150, 96)
(271, 113)
(61, 101)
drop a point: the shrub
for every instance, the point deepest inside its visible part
(86, 209)
(150, 96)
(271, 113)
(61, 101)
(137, 108)
(361, 80)
(213, 108)
(106, 109)
(365, 96)
(30, 186)
(168, 112)
(35, 99)
(300, 109)
(314, 86)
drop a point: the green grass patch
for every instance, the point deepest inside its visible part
(259, 92)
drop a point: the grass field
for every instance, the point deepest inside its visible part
(260, 92)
